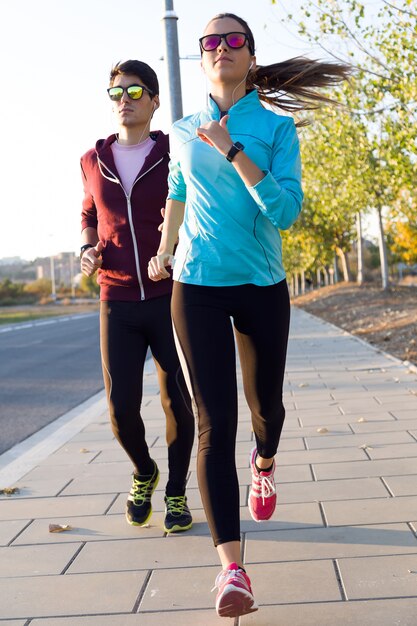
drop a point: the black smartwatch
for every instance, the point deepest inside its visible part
(237, 147)
(85, 247)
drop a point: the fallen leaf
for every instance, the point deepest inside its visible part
(9, 491)
(366, 447)
(303, 385)
(84, 450)
(361, 419)
(59, 528)
(322, 431)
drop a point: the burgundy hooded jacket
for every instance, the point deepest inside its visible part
(127, 224)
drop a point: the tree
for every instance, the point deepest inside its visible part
(378, 38)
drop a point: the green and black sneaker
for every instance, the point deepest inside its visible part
(138, 505)
(177, 514)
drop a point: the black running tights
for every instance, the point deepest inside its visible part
(127, 329)
(203, 327)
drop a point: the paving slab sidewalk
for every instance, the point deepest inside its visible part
(341, 549)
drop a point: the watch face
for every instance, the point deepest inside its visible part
(239, 145)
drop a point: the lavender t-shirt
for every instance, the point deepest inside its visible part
(130, 159)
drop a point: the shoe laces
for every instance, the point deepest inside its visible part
(225, 575)
(142, 490)
(267, 485)
(175, 504)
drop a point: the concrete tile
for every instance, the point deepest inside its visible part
(103, 435)
(90, 485)
(372, 613)
(89, 528)
(13, 622)
(329, 543)
(59, 507)
(272, 583)
(380, 577)
(35, 560)
(285, 474)
(90, 445)
(68, 458)
(10, 529)
(402, 485)
(312, 431)
(405, 414)
(345, 441)
(376, 511)
(275, 583)
(400, 451)
(173, 618)
(321, 419)
(286, 516)
(325, 490)
(384, 427)
(60, 472)
(135, 554)
(363, 469)
(106, 470)
(192, 590)
(320, 456)
(37, 488)
(50, 596)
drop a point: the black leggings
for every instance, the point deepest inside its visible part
(127, 329)
(205, 341)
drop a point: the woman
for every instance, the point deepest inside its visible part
(125, 184)
(234, 181)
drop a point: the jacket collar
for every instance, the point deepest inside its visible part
(159, 151)
(248, 104)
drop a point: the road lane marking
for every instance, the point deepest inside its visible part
(54, 320)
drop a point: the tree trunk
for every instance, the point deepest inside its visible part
(326, 276)
(383, 251)
(318, 278)
(359, 277)
(345, 264)
(296, 285)
(303, 282)
(336, 269)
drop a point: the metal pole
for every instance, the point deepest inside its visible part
(53, 288)
(172, 58)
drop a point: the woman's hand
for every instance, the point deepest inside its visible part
(216, 135)
(157, 265)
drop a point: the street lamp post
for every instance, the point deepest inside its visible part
(53, 287)
(170, 19)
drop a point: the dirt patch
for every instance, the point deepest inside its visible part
(386, 319)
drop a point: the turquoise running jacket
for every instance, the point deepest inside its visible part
(230, 234)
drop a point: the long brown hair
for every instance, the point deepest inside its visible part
(292, 84)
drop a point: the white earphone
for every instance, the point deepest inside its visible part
(251, 65)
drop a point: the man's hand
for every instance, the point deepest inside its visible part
(91, 259)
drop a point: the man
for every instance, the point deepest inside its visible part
(125, 184)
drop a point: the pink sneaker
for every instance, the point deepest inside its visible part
(235, 595)
(262, 495)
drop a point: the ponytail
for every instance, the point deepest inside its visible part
(291, 85)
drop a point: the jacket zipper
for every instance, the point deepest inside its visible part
(129, 214)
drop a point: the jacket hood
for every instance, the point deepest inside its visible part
(160, 149)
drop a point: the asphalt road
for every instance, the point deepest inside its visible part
(47, 367)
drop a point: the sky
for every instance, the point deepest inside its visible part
(56, 57)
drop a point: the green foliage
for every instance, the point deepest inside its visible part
(89, 285)
(40, 288)
(14, 293)
(362, 156)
